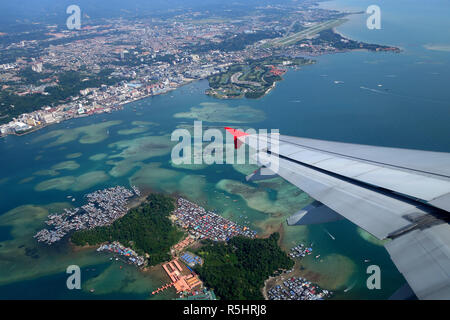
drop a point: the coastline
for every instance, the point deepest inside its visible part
(76, 248)
(120, 107)
(123, 104)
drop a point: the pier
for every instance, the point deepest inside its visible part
(163, 288)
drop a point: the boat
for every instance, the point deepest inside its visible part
(350, 287)
(331, 236)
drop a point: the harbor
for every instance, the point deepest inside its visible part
(129, 254)
(297, 288)
(300, 251)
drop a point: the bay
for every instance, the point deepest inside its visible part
(397, 100)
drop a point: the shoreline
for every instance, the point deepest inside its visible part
(121, 106)
(268, 90)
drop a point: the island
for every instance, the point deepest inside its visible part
(199, 250)
(253, 79)
(238, 268)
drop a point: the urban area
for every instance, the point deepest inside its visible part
(63, 74)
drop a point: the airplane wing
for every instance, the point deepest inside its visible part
(397, 194)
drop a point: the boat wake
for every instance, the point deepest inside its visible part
(401, 95)
(331, 236)
(373, 90)
(350, 287)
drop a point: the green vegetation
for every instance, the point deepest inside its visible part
(12, 105)
(10, 55)
(251, 80)
(340, 43)
(31, 77)
(70, 83)
(238, 269)
(146, 229)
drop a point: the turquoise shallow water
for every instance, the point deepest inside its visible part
(411, 110)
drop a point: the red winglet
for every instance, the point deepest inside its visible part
(236, 134)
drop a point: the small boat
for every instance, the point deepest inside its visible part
(350, 287)
(331, 236)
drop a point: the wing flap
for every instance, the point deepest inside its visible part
(423, 257)
(375, 212)
(427, 186)
(382, 190)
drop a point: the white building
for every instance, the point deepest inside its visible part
(37, 67)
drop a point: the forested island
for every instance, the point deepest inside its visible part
(237, 269)
(146, 229)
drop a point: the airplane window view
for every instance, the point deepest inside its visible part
(253, 151)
